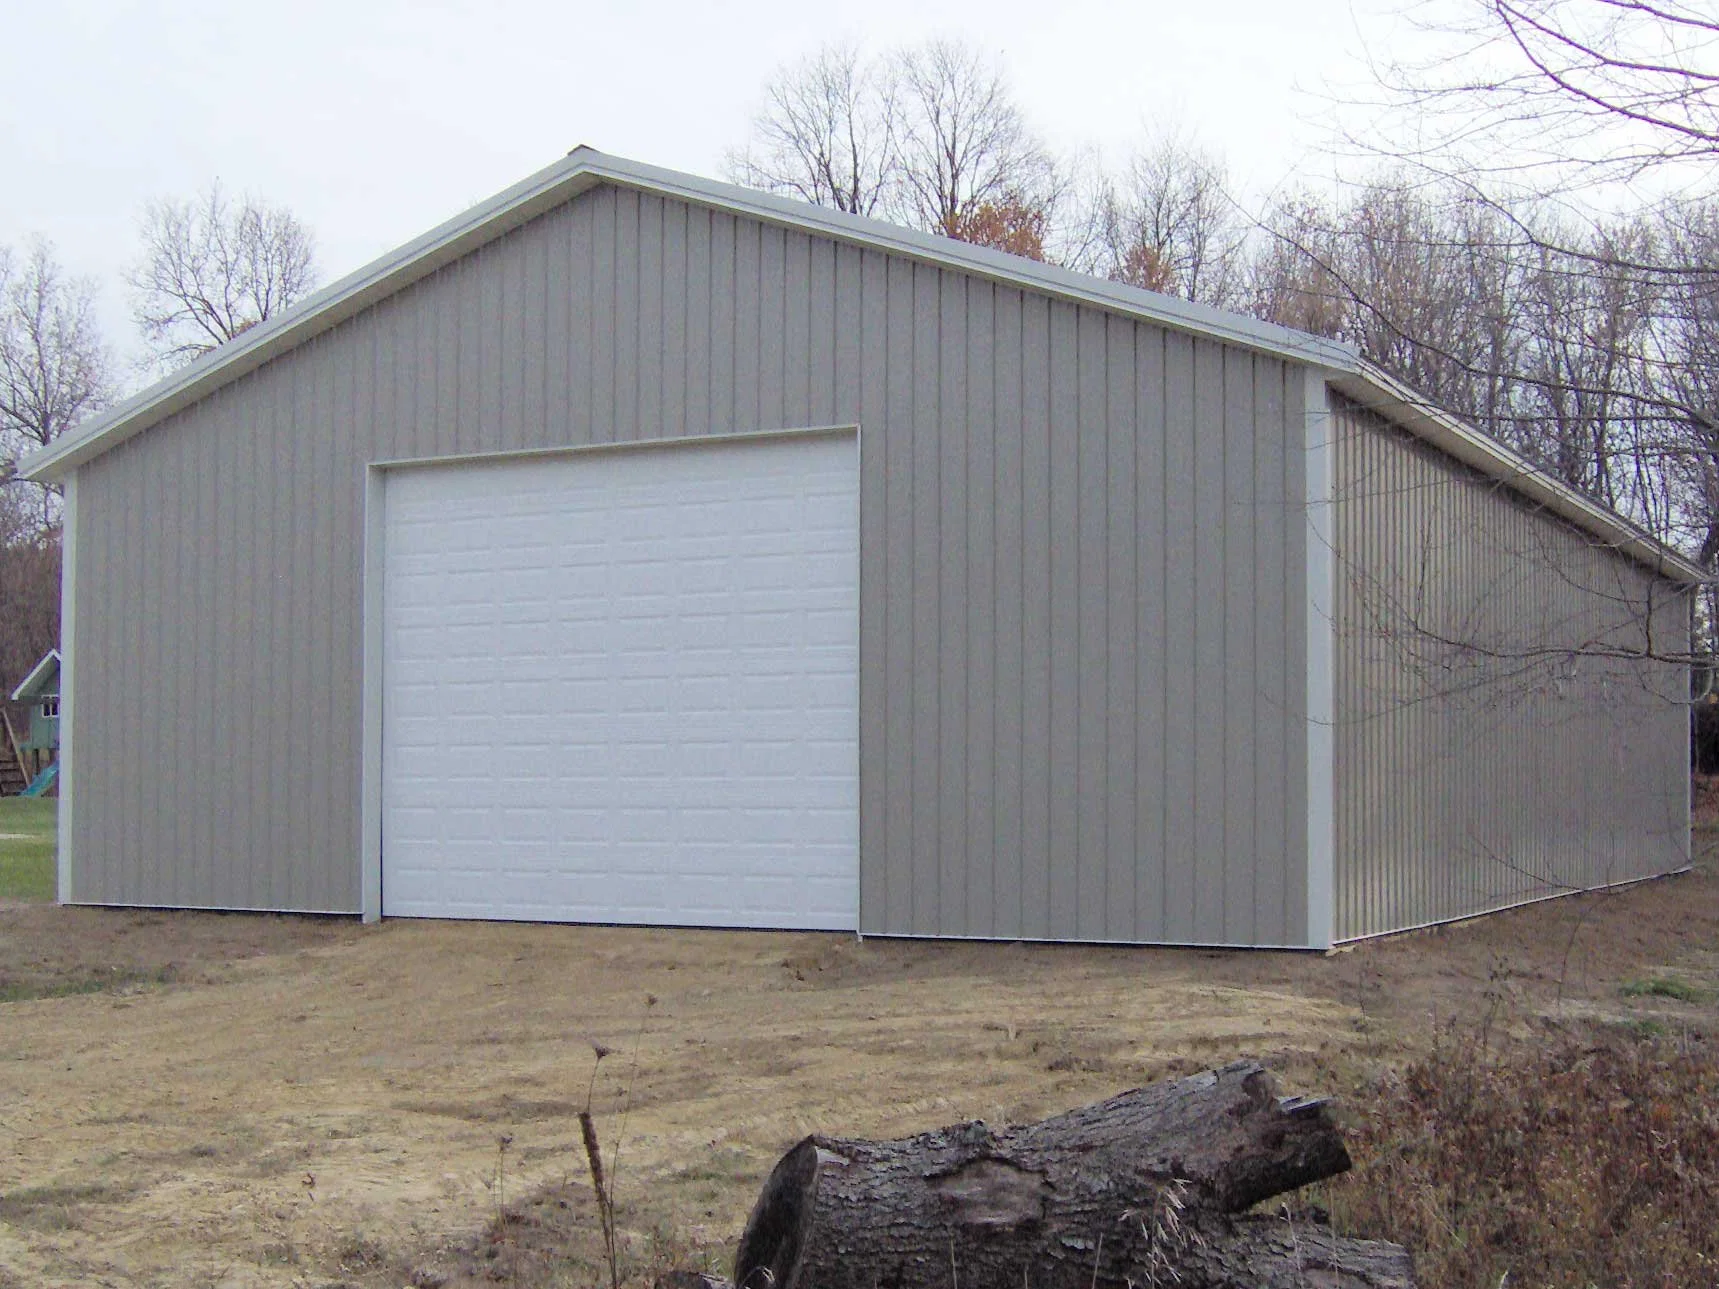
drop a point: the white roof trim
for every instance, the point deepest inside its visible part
(585, 168)
(26, 690)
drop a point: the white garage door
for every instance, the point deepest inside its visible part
(623, 687)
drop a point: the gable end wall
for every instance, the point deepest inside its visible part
(1082, 647)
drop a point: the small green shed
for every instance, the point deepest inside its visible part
(39, 746)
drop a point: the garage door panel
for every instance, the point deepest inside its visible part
(623, 687)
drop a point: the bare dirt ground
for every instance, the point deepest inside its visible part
(233, 1100)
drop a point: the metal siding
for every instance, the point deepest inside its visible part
(1124, 845)
(863, 350)
(1152, 788)
(949, 430)
(1009, 708)
(1062, 782)
(925, 569)
(1179, 681)
(1092, 749)
(1210, 739)
(978, 519)
(1036, 639)
(1486, 753)
(1079, 669)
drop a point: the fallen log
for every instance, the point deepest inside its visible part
(1141, 1190)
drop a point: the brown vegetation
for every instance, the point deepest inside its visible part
(1583, 1154)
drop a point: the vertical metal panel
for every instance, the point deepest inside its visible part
(949, 429)
(1236, 695)
(1009, 711)
(1092, 751)
(1037, 650)
(1495, 743)
(925, 567)
(1208, 735)
(1125, 846)
(1080, 669)
(1312, 558)
(1153, 790)
(978, 518)
(1063, 641)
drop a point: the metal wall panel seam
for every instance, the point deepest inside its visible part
(952, 561)
(979, 526)
(1009, 559)
(1122, 514)
(1151, 678)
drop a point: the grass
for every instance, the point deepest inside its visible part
(1664, 987)
(98, 981)
(27, 837)
(55, 1208)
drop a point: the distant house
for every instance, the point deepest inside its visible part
(32, 750)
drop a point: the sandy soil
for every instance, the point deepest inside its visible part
(279, 1101)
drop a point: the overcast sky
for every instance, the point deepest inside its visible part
(374, 120)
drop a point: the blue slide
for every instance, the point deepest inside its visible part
(43, 781)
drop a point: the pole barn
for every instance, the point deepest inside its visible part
(640, 549)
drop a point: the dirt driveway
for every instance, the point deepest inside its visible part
(274, 1101)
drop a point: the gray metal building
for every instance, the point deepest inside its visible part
(635, 548)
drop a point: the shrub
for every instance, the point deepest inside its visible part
(1589, 1156)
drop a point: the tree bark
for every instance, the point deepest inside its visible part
(1135, 1191)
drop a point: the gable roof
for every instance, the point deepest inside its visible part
(585, 168)
(41, 676)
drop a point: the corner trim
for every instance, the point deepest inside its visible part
(1321, 572)
(370, 696)
(68, 622)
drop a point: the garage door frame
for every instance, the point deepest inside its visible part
(375, 556)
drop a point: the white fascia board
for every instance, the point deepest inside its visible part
(27, 687)
(580, 170)
(1401, 405)
(1319, 564)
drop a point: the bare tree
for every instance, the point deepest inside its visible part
(53, 365)
(29, 588)
(1171, 226)
(963, 141)
(213, 268)
(1559, 94)
(1601, 106)
(826, 134)
(929, 137)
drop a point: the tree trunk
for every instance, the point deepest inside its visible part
(1135, 1191)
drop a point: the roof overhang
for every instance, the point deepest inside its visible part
(36, 682)
(585, 168)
